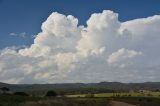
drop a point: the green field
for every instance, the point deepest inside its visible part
(132, 94)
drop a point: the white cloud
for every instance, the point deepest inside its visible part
(22, 35)
(59, 34)
(101, 31)
(123, 57)
(13, 34)
(66, 52)
(122, 54)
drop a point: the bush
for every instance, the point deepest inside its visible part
(149, 100)
(21, 94)
(139, 100)
(129, 95)
(51, 93)
(4, 89)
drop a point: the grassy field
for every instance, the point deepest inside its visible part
(131, 94)
(140, 101)
(12, 100)
(97, 99)
(8, 100)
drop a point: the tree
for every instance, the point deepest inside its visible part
(4, 89)
(51, 93)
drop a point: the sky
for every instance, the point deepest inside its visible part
(58, 41)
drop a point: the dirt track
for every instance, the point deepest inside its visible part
(116, 103)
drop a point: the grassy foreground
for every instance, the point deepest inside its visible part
(8, 100)
(51, 101)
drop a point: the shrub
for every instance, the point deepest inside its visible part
(139, 100)
(21, 94)
(129, 95)
(149, 100)
(4, 89)
(51, 93)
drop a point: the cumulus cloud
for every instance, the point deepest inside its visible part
(122, 54)
(101, 31)
(59, 34)
(105, 50)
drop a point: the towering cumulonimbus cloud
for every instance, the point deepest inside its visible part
(105, 50)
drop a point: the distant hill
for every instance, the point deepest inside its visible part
(102, 86)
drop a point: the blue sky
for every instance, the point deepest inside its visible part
(18, 16)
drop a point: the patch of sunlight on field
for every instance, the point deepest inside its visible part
(156, 94)
(132, 94)
(103, 95)
(77, 95)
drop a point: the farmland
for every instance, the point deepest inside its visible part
(96, 94)
(8, 100)
(123, 94)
